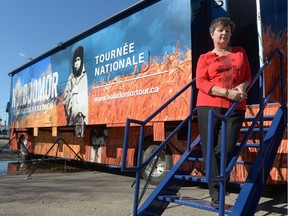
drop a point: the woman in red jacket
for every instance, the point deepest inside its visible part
(222, 76)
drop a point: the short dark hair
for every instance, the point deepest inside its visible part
(221, 21)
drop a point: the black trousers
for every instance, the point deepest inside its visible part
(234, 125)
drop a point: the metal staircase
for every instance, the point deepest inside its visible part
(270, 138)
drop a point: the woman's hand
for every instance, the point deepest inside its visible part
(239, 92)
(242, 87)
(236, 95)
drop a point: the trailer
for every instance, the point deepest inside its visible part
(127, 72)
(130, 65)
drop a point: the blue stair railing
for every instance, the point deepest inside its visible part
(142, 165)
(166, 191)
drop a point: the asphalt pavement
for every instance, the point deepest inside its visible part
(103, 192)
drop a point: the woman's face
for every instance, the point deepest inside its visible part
(221, 35)
(77, 63)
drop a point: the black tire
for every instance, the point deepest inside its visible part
(162, 167)
(23, 152)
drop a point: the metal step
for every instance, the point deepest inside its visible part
(255, 130)
(251, 145)
(266, 118)
(249, 163)
(194, 159)
(193, 202)
(191, 178)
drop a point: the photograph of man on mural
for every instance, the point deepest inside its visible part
(75, 97)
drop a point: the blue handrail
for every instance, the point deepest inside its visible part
(223, 171)
(141, 165)
(142, 124)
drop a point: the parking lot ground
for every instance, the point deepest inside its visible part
(103, 192)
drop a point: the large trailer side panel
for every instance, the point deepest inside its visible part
(130, 68)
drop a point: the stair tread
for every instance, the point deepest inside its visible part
(254, 130)
(266, 117)
(193, 202)
(196, 159)
(253, 145)
(237, 162)
(191, 178)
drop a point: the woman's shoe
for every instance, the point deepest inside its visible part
(215, 204)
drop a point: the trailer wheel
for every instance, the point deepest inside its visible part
(162, 165)
(23, 153)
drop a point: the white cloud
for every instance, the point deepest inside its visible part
(22, 54)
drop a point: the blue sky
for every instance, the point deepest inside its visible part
(30, 28)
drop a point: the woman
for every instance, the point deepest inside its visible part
(222, 76)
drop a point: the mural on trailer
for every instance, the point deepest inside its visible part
(274, 34)
(127, 69)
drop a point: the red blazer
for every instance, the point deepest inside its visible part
(224, 71)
